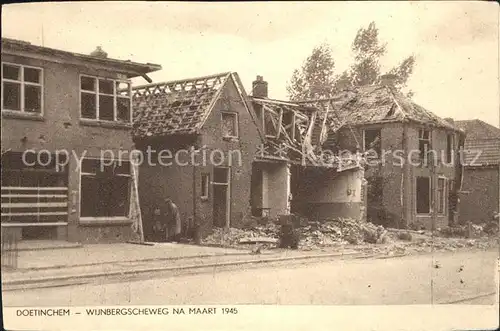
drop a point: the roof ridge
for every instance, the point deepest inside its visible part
(222, 74)
(488, 126)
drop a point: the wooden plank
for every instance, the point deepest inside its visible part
(48, 213)
(34, 196)
(25, 188)
(280, 122)
(34, 205)
(20, 224)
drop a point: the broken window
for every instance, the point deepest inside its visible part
(105, 99)
(373, 141)
(441, 193)
(424, 143)
(423, 195)
(105, 188)
(205, 181)
(21, 88)
(229, 125)
(449, 148)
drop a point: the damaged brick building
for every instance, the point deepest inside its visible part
(258, 152)
(202, 137)
(313, 183)
(413, 169)
(60, 110)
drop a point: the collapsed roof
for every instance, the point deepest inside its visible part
(178, 107)
(295, 133)
(373, 105)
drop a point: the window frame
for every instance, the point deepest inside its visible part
(115, 95)
(442, 197)
(379, 152)
(236, 124)
(92, 219)
(23, 83)
(450, 147)
(205, 194)
(429, 195)
(421, 132)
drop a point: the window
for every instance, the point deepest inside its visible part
(22, 88)
(229, 125)
(441, 193)
(372, 140)
(424, 143)
(449, 148)
(205, 184)
(105, 99)
(423, 195)
(221, 176)
(105, 188)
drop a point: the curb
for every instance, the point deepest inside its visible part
(75, 278)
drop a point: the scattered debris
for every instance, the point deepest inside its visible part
(366, 237)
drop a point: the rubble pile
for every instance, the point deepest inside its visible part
(367, 237)
(232, 237)
(312, 236)
(342, 231)
(470, 230)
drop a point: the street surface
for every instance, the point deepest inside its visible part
(461, 277)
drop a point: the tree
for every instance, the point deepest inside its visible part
(365, 69)
(315, 79)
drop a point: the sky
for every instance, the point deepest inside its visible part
(456, 44)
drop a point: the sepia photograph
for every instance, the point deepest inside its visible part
(196, 165)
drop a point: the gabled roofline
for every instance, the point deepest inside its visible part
(225, 76)
(248, 105)
(26, 49)
(137, 87)
(214, 99)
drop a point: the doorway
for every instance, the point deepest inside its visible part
(221, 196)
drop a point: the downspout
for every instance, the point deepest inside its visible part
(404, 179)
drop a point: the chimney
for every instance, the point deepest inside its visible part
(259, 87)
(388, 80)
(99, 52)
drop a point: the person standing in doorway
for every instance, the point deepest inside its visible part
(173, 220)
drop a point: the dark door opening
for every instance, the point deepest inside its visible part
(221, 198)
(220, 206)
